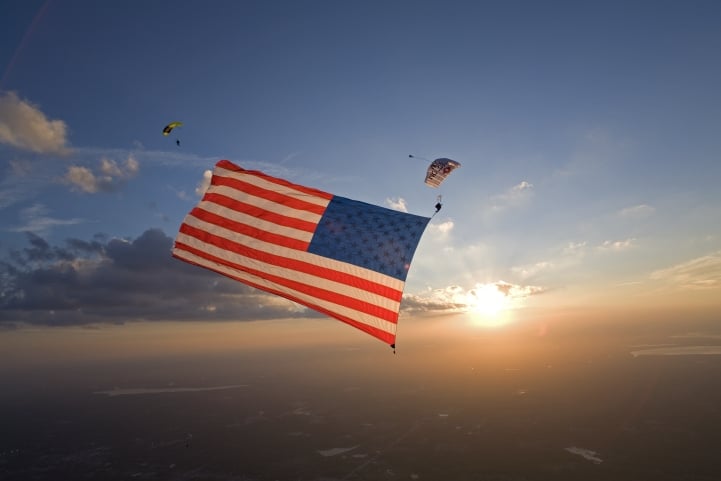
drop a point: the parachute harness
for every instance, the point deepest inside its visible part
(438, 205)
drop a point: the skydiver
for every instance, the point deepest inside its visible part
(438, 207)
(177, 142)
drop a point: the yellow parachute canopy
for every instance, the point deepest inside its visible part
(169, 128)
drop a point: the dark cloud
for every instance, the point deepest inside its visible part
(117, 280)
(419, 303)
(88, 247)
(39, 249)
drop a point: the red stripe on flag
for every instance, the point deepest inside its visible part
(248, 230)
(228, 165)
(272, 195)
(387, 337)
(259, 212)
(293, 264)
(314, 291)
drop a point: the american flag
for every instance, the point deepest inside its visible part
(341, 257)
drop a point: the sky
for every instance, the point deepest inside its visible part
(589, 135)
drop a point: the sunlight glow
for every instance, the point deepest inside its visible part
(488, 306)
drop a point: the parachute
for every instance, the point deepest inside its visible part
(169, 128)
(437, 173)
(439, 170)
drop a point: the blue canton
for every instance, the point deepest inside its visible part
(369, 236)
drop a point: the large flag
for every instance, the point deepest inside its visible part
(338, 256)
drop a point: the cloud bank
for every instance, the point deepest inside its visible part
(115, 280)
(118, 280)
(459, 299)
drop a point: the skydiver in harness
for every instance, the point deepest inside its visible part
(438, 205)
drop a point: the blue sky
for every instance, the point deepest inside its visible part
(589, 135)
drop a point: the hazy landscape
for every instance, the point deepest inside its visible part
(497, 405)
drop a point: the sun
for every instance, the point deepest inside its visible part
(488, 306)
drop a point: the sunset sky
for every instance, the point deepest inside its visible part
(589, 135)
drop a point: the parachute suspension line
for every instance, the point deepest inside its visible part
(416, 157)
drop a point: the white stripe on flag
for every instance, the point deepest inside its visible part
(358, 316)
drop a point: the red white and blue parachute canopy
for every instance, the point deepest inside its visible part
(439, 170)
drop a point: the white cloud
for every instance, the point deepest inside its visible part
(636, 211)
(585, 454)
(108, 178)
(700, 273)
(446, 298)
(442, 229)
(397, 204)
(679, 351)
(336, 451)
(204, 183)
(697, 335)
(111, 169)
(82, 178)
(24, 126)
(35, 219)
(617, 246)
(458, 299)
(524, 185)
(517, 291)
(514, 196)
(575, 249)
(531, 270)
